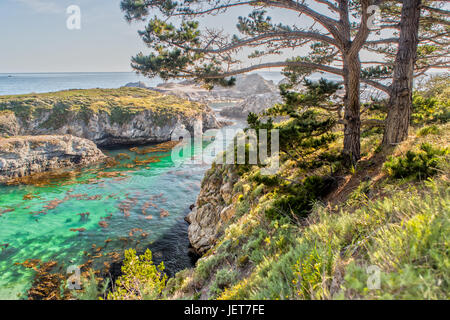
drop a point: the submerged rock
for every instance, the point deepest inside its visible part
(106, 116)
(24, 155)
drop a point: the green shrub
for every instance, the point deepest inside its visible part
(268, 180)
(224, 278)
(297, 200)
(428, 130)
(429, 109)
(206, 265)
(360, 194)
(311, 274)
(141, 279)
(254, 248)
(92, 290)
(371, 132)
(418, 165)
(242, 207)
(242, 261)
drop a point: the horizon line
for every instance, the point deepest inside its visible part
(67, 72)
(59, 72)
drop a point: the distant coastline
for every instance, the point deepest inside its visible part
(24, 83)
(41, 82)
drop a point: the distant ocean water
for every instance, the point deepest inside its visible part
(22, 83)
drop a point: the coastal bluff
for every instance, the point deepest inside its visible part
(24, 155)
(245, 86)
(251, 93)
(108, 117)
(213, 209)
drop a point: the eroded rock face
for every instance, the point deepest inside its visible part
(8, 124)
(146, 126)
(246, 85)
(256, 103)
(252, 93)
(107, 117)
(24, 155)
(213, 207)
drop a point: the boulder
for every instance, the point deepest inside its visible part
(25, 155)
(246, 85)
(255, 103)
(212, 209)
(138, 84)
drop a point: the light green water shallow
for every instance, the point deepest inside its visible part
(33, 231)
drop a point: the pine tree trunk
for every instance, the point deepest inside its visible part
(352, 129)
(400, 102)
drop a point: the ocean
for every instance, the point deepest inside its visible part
(116, 212)
(23, 83)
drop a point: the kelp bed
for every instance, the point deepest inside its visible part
(50, 276)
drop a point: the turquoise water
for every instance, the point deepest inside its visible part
(36, 221)
(112, 212)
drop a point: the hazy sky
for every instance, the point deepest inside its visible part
(34, 37)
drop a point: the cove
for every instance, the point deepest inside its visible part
(92, 215)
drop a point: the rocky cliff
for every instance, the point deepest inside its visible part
(25, 155)
(245, 87)
(105, 116)
(213, 207)
(256, 103)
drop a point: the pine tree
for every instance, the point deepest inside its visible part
(335, 31)
(413, 38)
(306, 135)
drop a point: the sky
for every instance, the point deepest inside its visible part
(35, 38)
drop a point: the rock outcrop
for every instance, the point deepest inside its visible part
(246, 85)
(8, 124)
(138, 84)
(256, 103)
(213, 207)
(24, 155)
(105, 116)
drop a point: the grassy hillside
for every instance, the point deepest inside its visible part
(119, 104)
(321, 230)
(375, 219)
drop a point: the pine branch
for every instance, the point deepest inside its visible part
(272, 36)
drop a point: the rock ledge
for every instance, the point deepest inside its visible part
(24, 155)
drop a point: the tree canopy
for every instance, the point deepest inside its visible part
(181, 48)
(326, 36)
